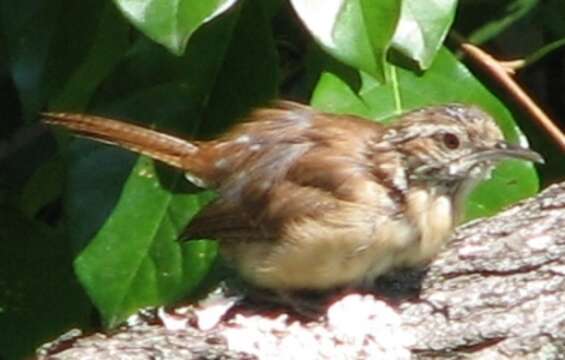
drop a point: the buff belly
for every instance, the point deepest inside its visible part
(346, 251)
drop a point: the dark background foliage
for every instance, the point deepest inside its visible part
(87, 232)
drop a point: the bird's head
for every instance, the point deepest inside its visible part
(453, 146)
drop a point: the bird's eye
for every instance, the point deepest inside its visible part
(451, 141)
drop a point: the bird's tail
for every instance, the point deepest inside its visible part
(169, 149)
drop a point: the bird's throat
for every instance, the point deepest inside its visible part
(432, 213)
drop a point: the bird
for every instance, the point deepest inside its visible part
(309, 200)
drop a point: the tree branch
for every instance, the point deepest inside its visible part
(501, 72)
(496, 292)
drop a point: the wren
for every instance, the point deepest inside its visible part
(311, 201)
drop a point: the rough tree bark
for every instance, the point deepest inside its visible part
(496, 292)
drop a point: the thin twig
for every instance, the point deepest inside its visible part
(500, 73)
(512, 66)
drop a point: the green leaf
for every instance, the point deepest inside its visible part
(135, 260)
(447, 80)
(172, 23)
(502, 189)
(356, 32)
(422, 28)
(111, 40)
(135, 217)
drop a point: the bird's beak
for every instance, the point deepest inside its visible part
(503, 150)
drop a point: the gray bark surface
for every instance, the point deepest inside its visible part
(496, 292)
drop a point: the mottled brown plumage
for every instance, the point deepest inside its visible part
(310, 200)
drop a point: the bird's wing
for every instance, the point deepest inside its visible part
(263, 217)
(287, 169)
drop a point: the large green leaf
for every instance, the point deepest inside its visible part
(357, 32)
(135, 260)
(135, 217)
(446, 81)
(172, 23)
(422, 28)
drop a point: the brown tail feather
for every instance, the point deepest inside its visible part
(169, 149)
